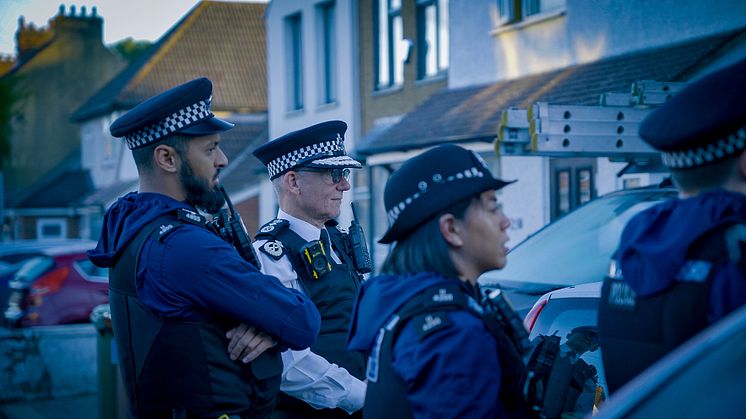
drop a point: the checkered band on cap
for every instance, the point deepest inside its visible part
(706, 154)
(323, 149)
(180, 119)
(423, 186)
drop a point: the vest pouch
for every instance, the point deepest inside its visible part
(636, 335)
(267, 365)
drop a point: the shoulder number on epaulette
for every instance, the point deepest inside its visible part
(429, 323)
(191, 217)
(272, 227)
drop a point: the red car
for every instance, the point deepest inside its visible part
(45, 282)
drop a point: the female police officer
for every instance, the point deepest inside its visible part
(431, 351)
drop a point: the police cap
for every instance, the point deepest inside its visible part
(184, 110)
(319, 146)
(430, 183)
(704, 123)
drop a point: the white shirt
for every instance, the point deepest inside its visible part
(306, 375)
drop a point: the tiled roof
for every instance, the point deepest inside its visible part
(62, 191)
(473, 113)
(224, 41)
(244, 170)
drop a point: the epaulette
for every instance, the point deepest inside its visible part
(272, 228)
(191, 217)
(429, 323)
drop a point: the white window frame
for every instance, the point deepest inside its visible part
(326, 21)
(514, 11)
(42, 223)
(391, 49)
(432, 38)
(294, 62)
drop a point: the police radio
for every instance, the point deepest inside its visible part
(496, 304)
(358, 246)
(315, 258)
(229, 226)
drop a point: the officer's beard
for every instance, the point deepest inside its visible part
(199, 193)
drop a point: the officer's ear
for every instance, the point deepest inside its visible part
(290, 182)
(166, 158)
(451, 230)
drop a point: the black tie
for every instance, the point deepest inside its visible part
(325, 239)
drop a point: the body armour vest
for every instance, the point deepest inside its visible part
(333, 293)
(173, 368)
(386, 395)
(635, 332)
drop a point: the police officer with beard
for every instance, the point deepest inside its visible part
(176, 288)
(682, 262)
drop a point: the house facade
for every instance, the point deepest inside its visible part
(224, 41)
(57, 67)
(513, 54)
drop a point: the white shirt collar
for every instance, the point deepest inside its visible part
(303, 228)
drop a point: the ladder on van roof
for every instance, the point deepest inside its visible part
(607, 130)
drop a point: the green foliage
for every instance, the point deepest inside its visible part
(131, 49)
(9, 96)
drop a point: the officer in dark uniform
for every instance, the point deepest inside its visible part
(682, 262)
(303, 247)
(434, 348)
(176, 288)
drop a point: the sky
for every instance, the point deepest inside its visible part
(139, 19)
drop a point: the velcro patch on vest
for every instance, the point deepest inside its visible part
(273, 249)
(191, 217)
(429, 323)
(375, 356)
(622, 296)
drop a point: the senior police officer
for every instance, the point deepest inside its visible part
(682, 262)
(435, 349)
(176, 288)
(309, 170)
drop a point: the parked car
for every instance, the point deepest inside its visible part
(49, 282)
(572, 250)
(703, 378)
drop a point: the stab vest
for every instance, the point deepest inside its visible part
(635, 332)
(173, 368)
(386, 395)
(333, 294)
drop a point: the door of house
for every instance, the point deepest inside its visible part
(572, 184)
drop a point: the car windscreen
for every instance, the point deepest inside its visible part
(575, 249)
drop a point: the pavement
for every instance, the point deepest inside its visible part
(82, 407)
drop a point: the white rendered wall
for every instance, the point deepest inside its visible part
(96, 143)
(483, 51)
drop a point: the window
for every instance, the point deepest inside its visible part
(512, 11)
(432, 37)
(328, 50)
(51, 228)
(294, 62)
(390, 47)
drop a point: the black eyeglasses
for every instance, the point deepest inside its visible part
(333, 175)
